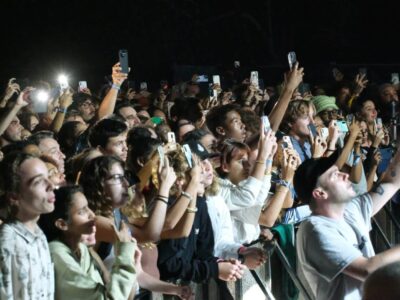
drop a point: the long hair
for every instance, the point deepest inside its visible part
(92, 178)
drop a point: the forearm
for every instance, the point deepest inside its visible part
(108, 104)
(6, 121)
(151, 229)
(183, 228)
(345, 152)
(271, 212)
(175, 213)
(355, 173)
(259, 168)
(277, 113)
(153, 284)
(58, 121)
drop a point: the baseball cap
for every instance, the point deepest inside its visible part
(200, 150)
(307, 174)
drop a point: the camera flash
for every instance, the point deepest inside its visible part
(42, 96)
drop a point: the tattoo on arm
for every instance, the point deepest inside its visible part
(378, 189)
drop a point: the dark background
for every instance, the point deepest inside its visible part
(40, 38)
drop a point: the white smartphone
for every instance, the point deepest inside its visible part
(143, 86)
(324, 133)
(216, 80)
(171, 137)
(188, 154)
(287, 143)
(292, 59)
(266, 123)
(236, 64)
(82, 85)
(161, 154)
(395, 78)
(254, 78)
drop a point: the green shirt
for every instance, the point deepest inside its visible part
(81, 279)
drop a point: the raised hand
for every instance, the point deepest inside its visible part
(166, 173)
(360, 83)
(294, 77)
(319, 147)
(117, 76)
(12, 88)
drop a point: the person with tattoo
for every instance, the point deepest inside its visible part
(334, 251)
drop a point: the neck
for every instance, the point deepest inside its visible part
(72, 242)
(28, 221)
(331, 210)
(302, 140)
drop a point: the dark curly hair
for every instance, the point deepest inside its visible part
(92, 177)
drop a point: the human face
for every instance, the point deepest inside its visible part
(35, 196)
(328, 115)
(75, 118)
(368, 111)
(81, 219)
(160, 114)
(143, 115)
(343, 95)
(209, 142)
(207, 172)
(300, 127)
(364, 131)
(13, 131)
(337, 185)
(117, 146)
(33, 123)
(184, 129)
(388, 94)
(56, 177)
(130, 115)
(87, 110)
(234, 128)
(238, 168)
(116, 186)
(51, 148)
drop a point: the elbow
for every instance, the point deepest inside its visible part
(169, 225)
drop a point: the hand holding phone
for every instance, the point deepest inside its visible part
(292, 59)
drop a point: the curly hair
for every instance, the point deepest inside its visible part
(178, 162)
(92, 177)
(295, 110)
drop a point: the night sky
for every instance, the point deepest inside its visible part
(39, 38)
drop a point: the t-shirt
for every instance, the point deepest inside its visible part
(325, 247)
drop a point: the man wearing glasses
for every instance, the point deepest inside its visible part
(326, 109)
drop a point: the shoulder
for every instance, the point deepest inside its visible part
(7, 236)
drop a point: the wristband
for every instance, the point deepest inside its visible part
(261, 162)
(187, 195)
(62, 110)
(116, 86)
(356, 159)
(191, 210)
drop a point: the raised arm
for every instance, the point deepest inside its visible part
(388, 186)
(9, 115)
(108, 104)
(295, 76)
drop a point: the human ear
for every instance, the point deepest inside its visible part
(319, 194)
(61, 224)
(220, 130)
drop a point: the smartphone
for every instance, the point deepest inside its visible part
(349, 118)
(313, 130)
(236, 64)
(362, 71)
(188, 154)
(342, 125)
(286, 142)
(292, 59)
(324, 133)
(202, 78)
(395, 78)
(82, 85)
(161, 154)
(216, 80)
(123, 60)
(143, 86)
(266, 123)
(171, 137)
(254, 78)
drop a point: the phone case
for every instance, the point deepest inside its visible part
(123, 60)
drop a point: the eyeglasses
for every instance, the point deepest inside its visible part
(117, 179)
(332, 113)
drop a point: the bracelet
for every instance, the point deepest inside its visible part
(116, 86)
(187, 195)
(261, 162)
(164, 197)
(162, 200)
(331, 150)
(284, 183)
(62, 110)
(191, 210)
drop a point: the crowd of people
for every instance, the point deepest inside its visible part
(125, 192)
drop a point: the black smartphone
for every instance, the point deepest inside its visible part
(313, 130)
(123, 60)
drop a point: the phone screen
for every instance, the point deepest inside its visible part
(123, 60)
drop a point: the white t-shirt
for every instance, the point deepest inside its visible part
(325, 247)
